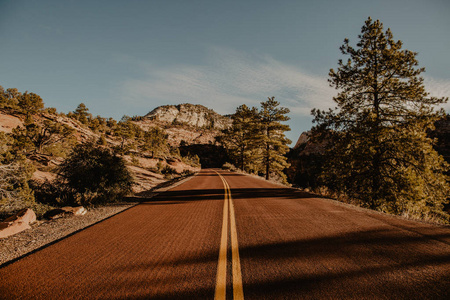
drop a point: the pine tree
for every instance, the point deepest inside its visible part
(241, 138)
(82, 114)
(34, 137)
(11, 97)
(129, 133)
(30, 102)
(155, 141)
(273, 141)
(380, 152)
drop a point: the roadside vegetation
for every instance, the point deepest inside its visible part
(90, 175)
(88, 157)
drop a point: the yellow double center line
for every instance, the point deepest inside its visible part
(221, 279)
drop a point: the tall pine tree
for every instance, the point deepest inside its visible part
(273, 141)
(241, 138)
(380, 152)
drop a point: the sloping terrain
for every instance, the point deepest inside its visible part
(144, 170)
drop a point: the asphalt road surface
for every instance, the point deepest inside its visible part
(231, 236)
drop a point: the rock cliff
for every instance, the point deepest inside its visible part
(197, 116)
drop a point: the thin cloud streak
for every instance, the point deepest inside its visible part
(439, 88)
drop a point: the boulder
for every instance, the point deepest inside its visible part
(17, 223)
(76, 211)
(65, 212)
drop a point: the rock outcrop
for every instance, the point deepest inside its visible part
(9, 122)
(65, 212)
(17, 223)
(197, 116)
(303, 139)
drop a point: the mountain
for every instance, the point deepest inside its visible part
(193, 115)
(186, 124)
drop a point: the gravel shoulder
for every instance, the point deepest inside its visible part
(44, 232)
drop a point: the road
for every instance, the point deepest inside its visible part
(232, 236)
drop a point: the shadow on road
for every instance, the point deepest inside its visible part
(182, 196)
(341, 266)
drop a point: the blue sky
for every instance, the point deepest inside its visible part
(128, 57)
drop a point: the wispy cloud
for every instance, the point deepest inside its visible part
(438, 88)
(228, 79)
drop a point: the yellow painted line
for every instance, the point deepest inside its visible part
(221, 277)
(238, 292)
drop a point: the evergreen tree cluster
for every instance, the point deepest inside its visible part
(256, 142)
(26, 102)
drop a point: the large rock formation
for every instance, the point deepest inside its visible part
(65, 212)
(17, 223)
(189, 114)
(9, 122)
(303, 139)
(306, 159)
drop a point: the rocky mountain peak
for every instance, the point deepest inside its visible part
(303, 139)
(194, 115)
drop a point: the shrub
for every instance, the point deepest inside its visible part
(30, 102)
(230, 167)
(168, 172)
(15, 193)
(187, 173)
(93, 175)
(192, 160)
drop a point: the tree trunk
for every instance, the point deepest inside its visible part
(376, 160)
(267, 161)
(242, 159)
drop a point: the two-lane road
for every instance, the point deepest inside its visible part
(196, 240)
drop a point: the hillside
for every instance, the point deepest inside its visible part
(145, 169)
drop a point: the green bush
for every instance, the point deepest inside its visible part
(93, 175)
(15, 192)
(229, 167)
(168, 172)
(187, 173)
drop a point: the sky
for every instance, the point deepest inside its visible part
(129, 57)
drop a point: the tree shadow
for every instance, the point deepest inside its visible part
(373, 266)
